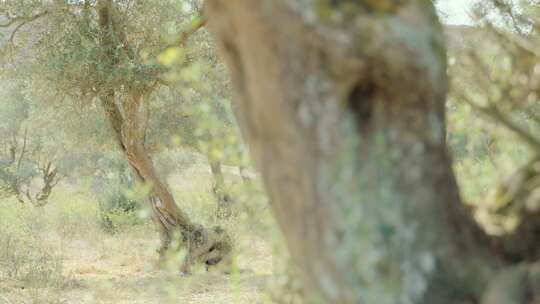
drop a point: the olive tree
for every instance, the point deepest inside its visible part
(343, 105)
(28, 169)
(104, 52)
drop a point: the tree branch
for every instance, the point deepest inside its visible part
(23, 150)
(494, 112)
(181, 40)
(24, 21)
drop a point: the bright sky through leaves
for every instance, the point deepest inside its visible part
(455, 11)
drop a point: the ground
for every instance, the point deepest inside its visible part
(122, 269)
(60, 254)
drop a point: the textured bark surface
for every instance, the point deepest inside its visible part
(128, 129)
(123, 113)
(342, 103)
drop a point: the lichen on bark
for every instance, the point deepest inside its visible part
(346, 124)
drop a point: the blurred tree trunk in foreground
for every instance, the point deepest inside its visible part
(342, 103)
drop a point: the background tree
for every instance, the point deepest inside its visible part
(504, 93)
(28, 169)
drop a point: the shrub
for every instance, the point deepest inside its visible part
(116, 208)
(29, 260)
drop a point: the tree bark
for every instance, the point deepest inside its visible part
(342, 103)
(167, 216)
(223, 198)
(127, 129)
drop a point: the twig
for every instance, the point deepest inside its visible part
(493, 112)
(24, 22)
(516, 41)
(23, 150)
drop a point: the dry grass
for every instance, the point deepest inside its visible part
(97, 267)
(124, 270)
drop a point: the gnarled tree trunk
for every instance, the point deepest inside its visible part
(124, 112)
(128, 129)
(123, 116)
(342, 103)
